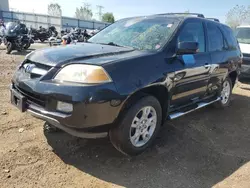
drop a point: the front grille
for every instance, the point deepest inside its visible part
(31, 97)
(38, 65)
(246, 61)
(34, 69)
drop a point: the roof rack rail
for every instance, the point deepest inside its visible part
(214, 19)
(184, 13)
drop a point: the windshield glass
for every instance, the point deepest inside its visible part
(243, 35)
(10, 25)
(140, 33)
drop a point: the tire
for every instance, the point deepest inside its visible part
(47, 127)
(121, 136)
(9, 47)
(42, 40)
(225, 103)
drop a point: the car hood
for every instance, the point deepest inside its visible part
(57, 56)
(245, 48)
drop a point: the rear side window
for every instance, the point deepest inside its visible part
(231, 40)
(193, 32)
(215, 38)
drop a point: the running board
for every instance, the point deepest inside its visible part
(199, 105)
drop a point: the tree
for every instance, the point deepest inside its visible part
(238, 15)
(84, 13)
(108, 17)
(54, 9)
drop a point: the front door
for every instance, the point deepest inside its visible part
(192, 70)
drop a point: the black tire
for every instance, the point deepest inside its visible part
(120, 135)
(47, 127)
(220, 103)
(9, 47)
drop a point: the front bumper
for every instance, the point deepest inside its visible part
(94, 109)
(74, 132)
(245, 67)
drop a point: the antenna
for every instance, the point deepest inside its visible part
(99, 13)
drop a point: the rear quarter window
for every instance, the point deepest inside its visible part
(230, 38)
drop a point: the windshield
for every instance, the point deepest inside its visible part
(139, 33)
(10, 25)
(243, 35)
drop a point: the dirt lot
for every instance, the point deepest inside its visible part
(206, 148)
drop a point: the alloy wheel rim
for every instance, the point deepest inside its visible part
(225, 93)
(143, 126)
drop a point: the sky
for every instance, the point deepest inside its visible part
(129, 8)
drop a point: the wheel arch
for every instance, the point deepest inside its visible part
(160, 92)
(233, 76)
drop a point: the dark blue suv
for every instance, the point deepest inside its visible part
(130, 77)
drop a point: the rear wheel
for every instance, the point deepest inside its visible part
(9, 47)
(225, 94)
(138, 127)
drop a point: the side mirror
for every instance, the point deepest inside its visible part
(187, 48)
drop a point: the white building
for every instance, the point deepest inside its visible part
(4, 5)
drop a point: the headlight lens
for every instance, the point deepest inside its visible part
(79, 73)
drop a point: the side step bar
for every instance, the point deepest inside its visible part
(199, 105)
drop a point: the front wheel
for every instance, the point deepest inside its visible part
(138, 127)
(9, 47)
(225, 94)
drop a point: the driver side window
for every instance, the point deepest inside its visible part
(193, 32)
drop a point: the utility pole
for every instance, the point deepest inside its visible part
(87, 7)
(99, 13)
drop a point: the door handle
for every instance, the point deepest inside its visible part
(179, 76)
(207, 65)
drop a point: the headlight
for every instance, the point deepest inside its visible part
(89, 74)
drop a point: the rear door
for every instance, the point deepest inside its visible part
(192, 70)
(224, 51)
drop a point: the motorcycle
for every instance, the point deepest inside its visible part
(69, 39)
(2, 31)
(43, 34)
(16, 37)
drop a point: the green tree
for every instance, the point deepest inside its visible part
(108, 17)
(238, 15)
(54, 9)
(84, 13)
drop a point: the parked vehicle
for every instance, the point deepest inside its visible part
(2, 31)
(43, 34)
(130, 77)
(243, 36)
(69, 39)
(55, 41)
(16, 37)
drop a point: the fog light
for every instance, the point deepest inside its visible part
(64, 107)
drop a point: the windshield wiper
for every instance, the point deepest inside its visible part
(114, 44)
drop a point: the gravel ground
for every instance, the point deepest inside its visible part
(207, 148)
